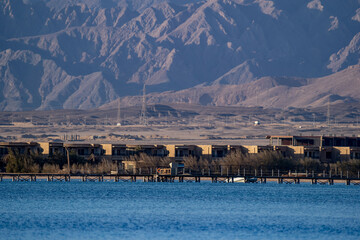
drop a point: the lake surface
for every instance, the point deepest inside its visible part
(123, 210)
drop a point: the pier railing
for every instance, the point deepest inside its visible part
(243, 172)
(188, 175)
(275, 173)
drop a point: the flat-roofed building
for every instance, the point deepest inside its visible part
(20, 148)
(298, 152)
(257, 149)
(84, 149)
(51, 148)
(295, 140)
(116, 152)
(340, 141)
(354, 152)
(151, 150)
(178, 152)
(341, 153)
(213, 151)
(325, 148)
(286, 151)
(128, 166)
(237, 148)
(122, 151)
(318, 141)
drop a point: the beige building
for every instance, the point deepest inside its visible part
(178, 152)
(121, 151)
(51, 148)
(257, 149)
(20, 147)
(85, 149)
(115, 152)
(325, 148)
(214, 151)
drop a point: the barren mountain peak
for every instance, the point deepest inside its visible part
(356, 17)
(85, 53)
(315, 4)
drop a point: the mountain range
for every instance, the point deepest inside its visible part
(82, 54)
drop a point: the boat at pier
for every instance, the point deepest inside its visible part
(244, 180)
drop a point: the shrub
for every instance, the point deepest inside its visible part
(51, 168)
(21, 163)
(191, 162)
(351, 166)
(310, 164)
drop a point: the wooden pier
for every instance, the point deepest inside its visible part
(214, 178)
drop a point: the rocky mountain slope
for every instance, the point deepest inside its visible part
(268, 92)
(84, 54)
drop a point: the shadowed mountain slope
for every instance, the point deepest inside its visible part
(84, 54)
(269, 92)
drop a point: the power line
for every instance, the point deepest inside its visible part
(328, 113)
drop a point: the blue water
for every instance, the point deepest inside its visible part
(109, 210)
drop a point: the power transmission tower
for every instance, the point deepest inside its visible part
(118, 114)
(143, 120)
(328, 114)
(314, 118)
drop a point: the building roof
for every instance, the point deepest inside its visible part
(18, 144)
(300, 136)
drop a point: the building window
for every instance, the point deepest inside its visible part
(218, 153)
(286, 141)
(189, 153)
(305, 142)
(160, 152)
(179, 153)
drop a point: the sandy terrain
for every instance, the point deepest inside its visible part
(243, 134)
(170, 124)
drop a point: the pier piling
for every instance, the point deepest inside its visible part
(296, 178)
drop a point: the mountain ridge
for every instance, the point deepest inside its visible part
(84, 54)
(268, 92)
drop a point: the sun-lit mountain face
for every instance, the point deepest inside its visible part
(84, 54)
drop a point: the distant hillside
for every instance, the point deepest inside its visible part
(276, 92)
(87, 53)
